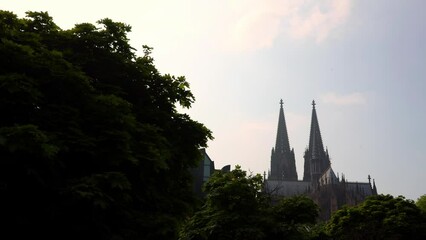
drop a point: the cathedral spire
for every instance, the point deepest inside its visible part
(316, 159)
(282, 144)
(374, 188)
(315, 141)
(283, 166)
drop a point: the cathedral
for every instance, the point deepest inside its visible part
(319, 182)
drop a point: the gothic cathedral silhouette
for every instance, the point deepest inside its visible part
(319, 180)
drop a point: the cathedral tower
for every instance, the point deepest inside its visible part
(283, 166)
(316, 159)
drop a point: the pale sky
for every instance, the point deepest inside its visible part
(364, 62)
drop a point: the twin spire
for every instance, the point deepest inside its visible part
(283, 165)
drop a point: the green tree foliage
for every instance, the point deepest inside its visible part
(379, 217)
(233, 205)
(91, 143)
(293, 218)
(236, 208)
(421, 203)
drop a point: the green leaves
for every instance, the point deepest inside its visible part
(9, 23)
(234, 191)
(298, 209)
(26, 139)
(236, 208)
(115, 34)
(232, 209)
(90, 135)
(102, 190)
(379, 217)
(421, 203)
(40, 22)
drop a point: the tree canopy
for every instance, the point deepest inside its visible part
(421, 203)
(237, 208)
(91, 143)
(379, 217)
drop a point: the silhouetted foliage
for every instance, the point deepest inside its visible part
(236, 208)
(379, 217)
(421, 203)
(91, 143)
(232, 209)
(293, 217)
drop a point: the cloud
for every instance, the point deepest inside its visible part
(321, 18)
(257, 24)
(255, 31)
(237, 25)
(343, 100)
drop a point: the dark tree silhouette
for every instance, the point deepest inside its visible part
(237, 208)
(379, 217)
(91, 143)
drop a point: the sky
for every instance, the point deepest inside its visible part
(364, 63)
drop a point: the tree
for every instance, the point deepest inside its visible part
(232, 209)
(237, 208)
(91, 143)
(293, 218)
(421, 203)
(379, 217)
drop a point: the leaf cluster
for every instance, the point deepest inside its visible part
(421, 203)
(91, 143)
(237, 208)
(379, 217)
